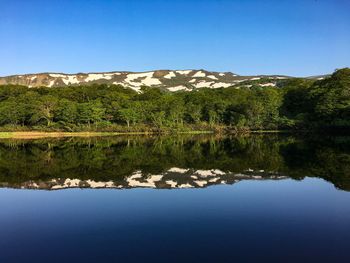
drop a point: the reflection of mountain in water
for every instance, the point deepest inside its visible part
(174, 178)
(121, 162)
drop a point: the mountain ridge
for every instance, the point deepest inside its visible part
(171, 80)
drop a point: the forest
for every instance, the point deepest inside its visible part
(294, 104)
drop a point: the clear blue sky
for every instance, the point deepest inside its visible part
(299, 38)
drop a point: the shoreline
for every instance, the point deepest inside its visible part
(40, 134)
(59, 134)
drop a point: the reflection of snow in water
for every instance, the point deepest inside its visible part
(173, 178)
(178, 170)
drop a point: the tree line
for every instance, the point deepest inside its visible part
(295, 103)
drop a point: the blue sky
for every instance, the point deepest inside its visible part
(249, 37)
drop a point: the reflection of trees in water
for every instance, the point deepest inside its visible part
(104, 159)
(324, 157)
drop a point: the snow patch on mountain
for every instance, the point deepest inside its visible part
(212, 77)
(52, 82)
(92, 77)
(199, 74)
(268, 85)
(177, 88)
(147, 79)
(68, 80)
(203, 84)
(170, 75)
(221, 85)
(54, 75)
(184, 72)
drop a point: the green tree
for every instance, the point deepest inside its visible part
(45, 110)
(66, 111)
(158, 119)
(330, 100)
(194, 111)
(128, 115)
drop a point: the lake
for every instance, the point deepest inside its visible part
(200, 198)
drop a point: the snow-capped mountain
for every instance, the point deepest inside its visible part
(171, 80)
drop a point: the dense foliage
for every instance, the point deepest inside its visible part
(292, 104)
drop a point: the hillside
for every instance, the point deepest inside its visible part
(171, 80)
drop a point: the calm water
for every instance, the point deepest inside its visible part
(184, 199)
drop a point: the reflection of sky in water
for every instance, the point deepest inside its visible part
(251, 221)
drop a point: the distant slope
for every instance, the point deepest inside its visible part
(171, 80)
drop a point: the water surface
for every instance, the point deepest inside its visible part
(175, 199)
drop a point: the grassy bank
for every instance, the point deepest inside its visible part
(39, 134)
(59, 134)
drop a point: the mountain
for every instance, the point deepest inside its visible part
(171, 80)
